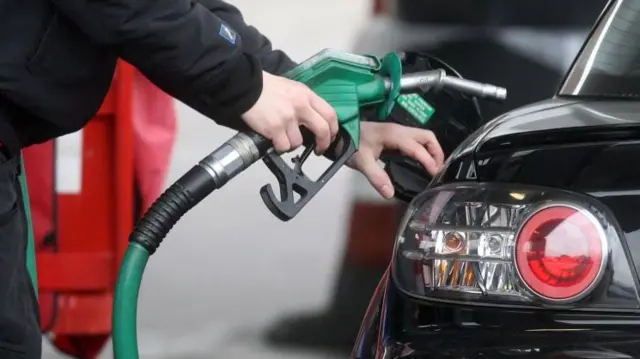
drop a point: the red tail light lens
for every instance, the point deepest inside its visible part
(485, 244)
(560, 252)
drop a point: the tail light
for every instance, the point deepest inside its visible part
(526, 246)
(560, 252)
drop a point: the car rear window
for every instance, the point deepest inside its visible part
(609, 63)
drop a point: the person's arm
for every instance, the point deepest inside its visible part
(273, 61)
(181, 46)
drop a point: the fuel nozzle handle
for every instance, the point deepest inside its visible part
(435, 79)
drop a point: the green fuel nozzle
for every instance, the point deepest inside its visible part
(349, 83)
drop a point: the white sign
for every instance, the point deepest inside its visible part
(69, 163)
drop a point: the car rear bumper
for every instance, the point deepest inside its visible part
(398, 327)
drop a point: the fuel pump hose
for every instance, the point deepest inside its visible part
(213, 172)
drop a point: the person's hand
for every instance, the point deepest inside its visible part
(283, 107)
(419, 144)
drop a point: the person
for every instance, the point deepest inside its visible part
(57, 66)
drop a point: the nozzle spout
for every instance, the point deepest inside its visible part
(424, 80)
(477, 89)
(435, 79)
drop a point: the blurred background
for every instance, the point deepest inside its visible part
(231, 280)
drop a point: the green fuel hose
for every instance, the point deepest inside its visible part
(31, 249)
(125, 306)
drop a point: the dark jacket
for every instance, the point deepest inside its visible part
(57, 60)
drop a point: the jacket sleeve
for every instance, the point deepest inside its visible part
(273, 61)
(181, 46)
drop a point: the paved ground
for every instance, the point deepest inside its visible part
(230, 268)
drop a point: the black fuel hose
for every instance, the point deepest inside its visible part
(213, 172)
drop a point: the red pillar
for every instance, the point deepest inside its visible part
(89, 222)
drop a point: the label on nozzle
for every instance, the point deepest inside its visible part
(420, 109)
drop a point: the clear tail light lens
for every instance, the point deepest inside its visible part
(494, 244)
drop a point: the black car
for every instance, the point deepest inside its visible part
(527, 243)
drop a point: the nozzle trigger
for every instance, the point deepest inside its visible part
(293, 180)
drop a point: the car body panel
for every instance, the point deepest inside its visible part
(574, 113)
